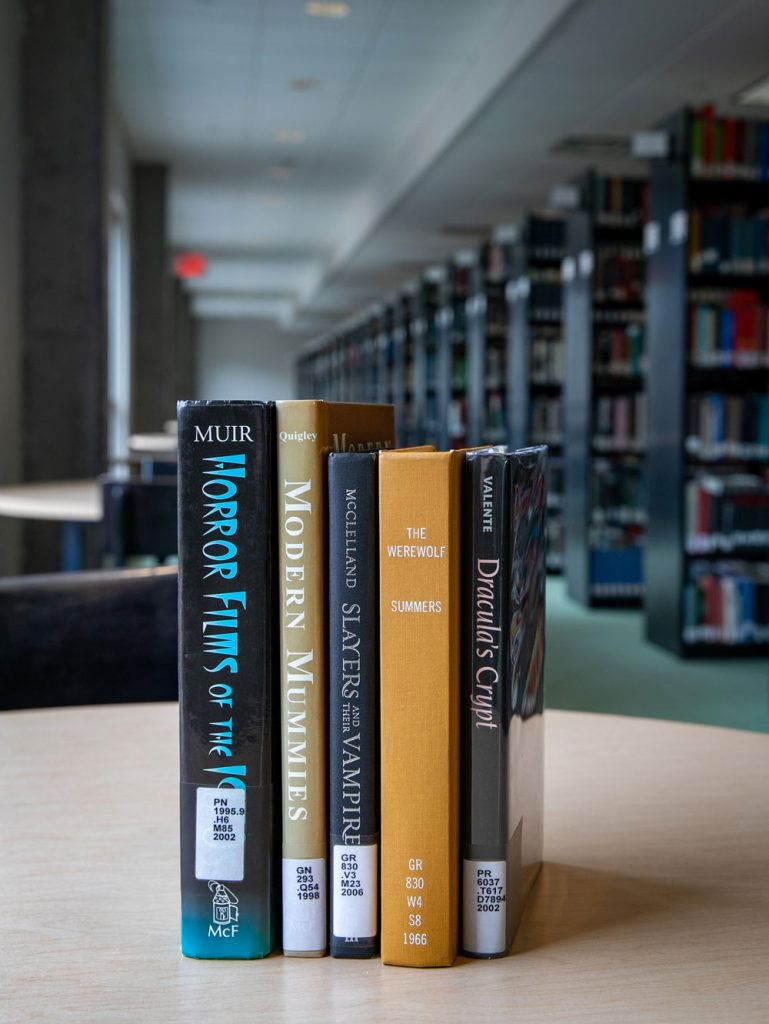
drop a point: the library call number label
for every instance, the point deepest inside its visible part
(220, 833)
(304, 903)
(416, 901)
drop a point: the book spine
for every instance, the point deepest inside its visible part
(527, 588)
(485, 706)
(226, 679)
(419, 496)
(527, 655)
(353, 720)
(301, 536)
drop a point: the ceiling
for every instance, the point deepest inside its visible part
(319, 163)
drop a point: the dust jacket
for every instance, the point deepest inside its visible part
(227, 680)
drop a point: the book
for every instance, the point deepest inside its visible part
(353, 688)
(419, 565)
(227, 501)
(726, 603)
(502, 692)
(307, 431)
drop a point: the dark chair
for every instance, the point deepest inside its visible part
(88, 638)
(139, 519)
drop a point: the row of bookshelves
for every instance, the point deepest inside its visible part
(630, 333)
(604, 400)
(708, 411)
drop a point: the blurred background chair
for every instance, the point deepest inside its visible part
(88, 638)
(139, 520)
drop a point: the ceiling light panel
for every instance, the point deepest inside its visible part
(756, 94)
(304, 84)
(321, 9)
(291, 136)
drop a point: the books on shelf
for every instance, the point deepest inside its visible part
(495, 370)
(546, 421)
(619, 351)
(495, 429)
(544, 238)
(306, 431)
(617, 528)
(724, 426)
(543, 286)
(227, 501)
(617, 202)
(494, 259)
(502, 692)
(620, 423)
(726, 603)
(618, 274)
(709, 416)
(554, 556)
(616, 561)
(728, 329)
(727, 513)
(456, 421)
(546, 357)
(605, 403)
(618, 492)
(728, 240)
(728, 148)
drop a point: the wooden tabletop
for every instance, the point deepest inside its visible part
(160, 443)
(653, 905)
(74, 501)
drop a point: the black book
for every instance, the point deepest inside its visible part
(353, 687)
(502, 696)
(226, 680)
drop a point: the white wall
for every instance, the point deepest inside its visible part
(246, 358)
(10, 324)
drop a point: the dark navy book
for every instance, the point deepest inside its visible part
(353, 688)
(227, 679)
(504, 504)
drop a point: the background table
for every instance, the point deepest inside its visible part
(653, 905)
(72, 503)
(156, 453)
(159, 443)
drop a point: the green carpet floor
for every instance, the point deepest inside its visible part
(599, 661)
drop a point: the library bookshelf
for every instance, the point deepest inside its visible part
(604, 415)
(534, 364)
(707, 241)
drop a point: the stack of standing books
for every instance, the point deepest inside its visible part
(350, 615)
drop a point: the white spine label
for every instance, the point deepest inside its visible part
(220, 833)
(485, 907)
(354, 882)
(304, 905)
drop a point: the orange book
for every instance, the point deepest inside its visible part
(419, 546)
(307, 431)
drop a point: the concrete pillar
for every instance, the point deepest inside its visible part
(63, 63)
(154, 343)
(10, 328)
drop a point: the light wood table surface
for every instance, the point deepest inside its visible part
(159, 443)
(74, 501)
(653, 904)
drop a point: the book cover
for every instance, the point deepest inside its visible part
(353, 689)
(307, 431)
(502, 692)
(227, 503)
(419, 522)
